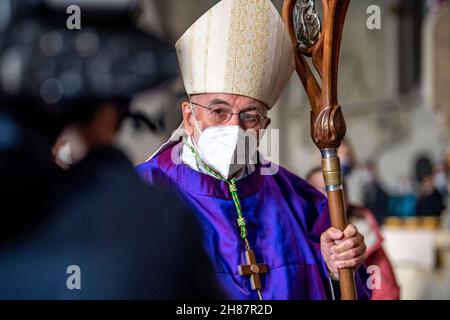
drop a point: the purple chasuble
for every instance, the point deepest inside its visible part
(285, 218)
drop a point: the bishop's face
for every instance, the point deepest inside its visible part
(221, 109)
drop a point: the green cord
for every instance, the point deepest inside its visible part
(232, 187)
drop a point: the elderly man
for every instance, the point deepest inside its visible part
(267, 235)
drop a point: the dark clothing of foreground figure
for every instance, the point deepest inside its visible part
(129, 241)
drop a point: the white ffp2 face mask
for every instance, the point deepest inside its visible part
(224, 148)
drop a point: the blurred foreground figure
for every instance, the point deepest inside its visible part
(95, 231)
(365, 220)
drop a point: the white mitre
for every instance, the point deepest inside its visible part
(239, 47)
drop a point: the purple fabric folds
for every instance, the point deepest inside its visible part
(285, 218)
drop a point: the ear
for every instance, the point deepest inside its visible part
(269, 121)
(187, 118)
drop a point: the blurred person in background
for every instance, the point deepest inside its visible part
(362, 183)
(376, 198)
(441, 176)
(402, 202)
(447, 171)
(365, 221)
(441, 179)
(95, 231)
(430, 202)
(352, 172)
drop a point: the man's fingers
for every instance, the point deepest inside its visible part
(351, 264)
(348, 244)
(350, 231)
(350, 254)
(344, 249)
(331, 235)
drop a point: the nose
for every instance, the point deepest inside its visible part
(235, 121)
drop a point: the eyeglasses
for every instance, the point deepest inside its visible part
(251, 119)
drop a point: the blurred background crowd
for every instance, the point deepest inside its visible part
(393, 86)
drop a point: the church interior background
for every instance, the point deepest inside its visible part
(396, 101)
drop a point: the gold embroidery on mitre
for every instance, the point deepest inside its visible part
(247, 48)
(276, 83)
(191, 56)
(206, 59)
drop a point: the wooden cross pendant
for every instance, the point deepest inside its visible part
(253, 269)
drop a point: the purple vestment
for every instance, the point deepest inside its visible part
(285, 218)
